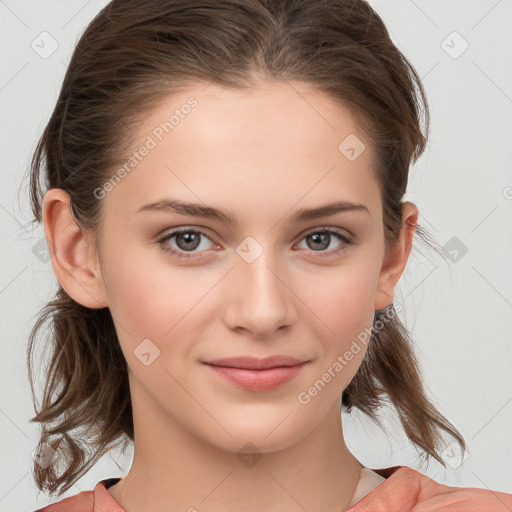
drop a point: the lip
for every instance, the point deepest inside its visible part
(256, 374)
(255, 363)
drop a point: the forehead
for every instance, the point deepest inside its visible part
(280, 140)
(285, 109)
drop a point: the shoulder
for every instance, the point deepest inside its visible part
(409, 490)
(95, 500)
(445, 498)
(82, 502)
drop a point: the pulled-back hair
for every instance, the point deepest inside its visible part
(131, 56)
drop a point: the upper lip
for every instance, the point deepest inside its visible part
(254, 363)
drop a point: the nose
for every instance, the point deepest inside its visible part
(260, 298)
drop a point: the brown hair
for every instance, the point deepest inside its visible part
(130, 56)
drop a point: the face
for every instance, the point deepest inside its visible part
(263, 279)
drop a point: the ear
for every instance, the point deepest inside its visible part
(396, 257)
(73, 259)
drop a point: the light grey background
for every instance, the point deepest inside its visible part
(459, 311)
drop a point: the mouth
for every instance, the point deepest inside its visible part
(255, 374)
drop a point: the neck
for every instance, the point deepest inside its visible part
(174, 470)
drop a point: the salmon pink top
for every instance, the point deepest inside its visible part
(404, 490)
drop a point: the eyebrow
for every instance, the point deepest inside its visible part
(208, 212)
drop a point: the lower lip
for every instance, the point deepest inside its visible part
(258, 380)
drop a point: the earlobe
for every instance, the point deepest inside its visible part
(70, 249)
(396, 258)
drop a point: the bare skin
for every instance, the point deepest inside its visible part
(263, 155)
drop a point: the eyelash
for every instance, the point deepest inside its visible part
(165, 247)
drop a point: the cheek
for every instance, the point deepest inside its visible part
(157, 300)
(341, 302)
(134, 283)
(341, 297)
(152, 298)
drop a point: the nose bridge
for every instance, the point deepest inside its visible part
(258, 274)
(262, 302)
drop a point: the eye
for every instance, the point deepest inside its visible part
(321, 238)
(187, 240)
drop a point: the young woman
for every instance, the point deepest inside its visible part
(222, 199)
